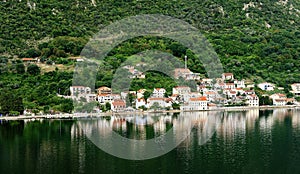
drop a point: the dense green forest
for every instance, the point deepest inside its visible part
(254, 40)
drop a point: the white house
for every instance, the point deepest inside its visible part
(239, 91)
(296, 89)
(266, 86)
(91, 97)
(230, 85)
(279, 102)
(186, 74)
(124, 94)
(277, 96)
(220, 85)
(250, 86)
(211, 95)
(201, 88)
(140, 93)
(279, 99)
(199, 103)
(239, 84)
(189, 95)
(207, 81)
(226, 90)
(159, 92)
(159, 100)
(80, 90)
(140, 102)
(107, 98)
(181, 72)
(231, 94)
(252, 100)
(181, 90)
(118, 105)
(249, 92)
(227, 76)
(104, 90)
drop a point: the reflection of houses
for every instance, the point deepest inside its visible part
(232, 124)
(199, 103)
(296, 119)
(251, 116)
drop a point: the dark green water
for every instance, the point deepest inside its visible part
(244, 142)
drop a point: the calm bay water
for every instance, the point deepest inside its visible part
(238, 142)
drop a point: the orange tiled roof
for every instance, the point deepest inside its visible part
(198, 99)
(27, 59)
(210, 92)
(155, 98)
(228, 74)
(118, 103)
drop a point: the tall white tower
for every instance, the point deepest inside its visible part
(185, 62)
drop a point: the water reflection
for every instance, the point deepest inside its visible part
(206, 124)
(147, 136)
(253, 141)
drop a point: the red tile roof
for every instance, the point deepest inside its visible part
(198, 99)
(28, 59)
(119, 103)
(228, 74)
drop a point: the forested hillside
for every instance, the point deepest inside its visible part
(255, 40)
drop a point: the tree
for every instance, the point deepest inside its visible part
(147, 94)
(10, 102)
(67, 106)
(33, 69)
(265, 100)
(155, 106)
(20, 68)
(107, 106)
(175, 106)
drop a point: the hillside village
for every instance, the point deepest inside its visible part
(210, 94)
